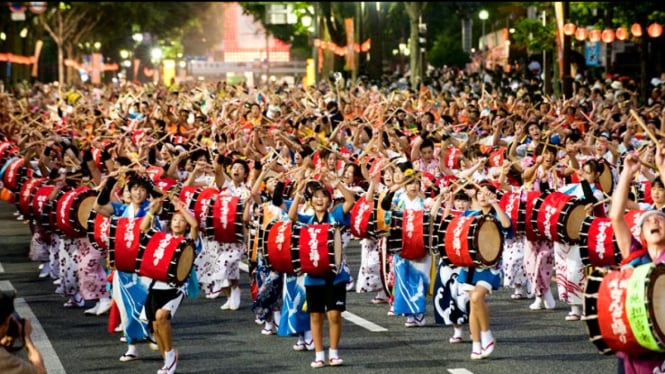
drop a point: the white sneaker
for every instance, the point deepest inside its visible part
(57, 282)
(350, 285)
(45, 270)
(104, 306)
(235, 298)
(537, 304)
(92, 311)
(226, 305)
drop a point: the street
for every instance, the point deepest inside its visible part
(210, 340)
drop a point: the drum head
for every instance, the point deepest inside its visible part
(574, 222)
(489, 241)
(605, 179)
(185, 262)
(84, 210)
(657, 298)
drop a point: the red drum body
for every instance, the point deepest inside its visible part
(278, 252)
(98, 232)
(124, 243)
(226, 219)
(188, 195)
(624, 309)
(73, 209)
(319, 247)
(511, 203)
(15, 174)
(314, 249)
(471, 241)
(25, 196)
(560, 217)
(7, 150)
(529, 210)
(42, 207)
(410, 234)
(202, 204)
(597, 243)
(368, 219)
(497, 157)
(166, 258)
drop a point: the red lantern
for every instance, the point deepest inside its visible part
(569, 28)
(607, 36)
(636, 29)
(622, 33)
(655, 30)
(580, 34)
(594, 35)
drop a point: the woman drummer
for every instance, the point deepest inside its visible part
(411, 275)
(652, 227)
(480, 282)
(163, 299)
(325, 295)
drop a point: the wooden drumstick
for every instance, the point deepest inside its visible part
(601, 202)
(644, 126)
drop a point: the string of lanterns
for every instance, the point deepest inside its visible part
(654, 30)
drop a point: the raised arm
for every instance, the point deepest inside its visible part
(618, 207)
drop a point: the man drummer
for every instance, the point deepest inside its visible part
(652, 227)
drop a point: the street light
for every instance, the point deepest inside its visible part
(483, 15)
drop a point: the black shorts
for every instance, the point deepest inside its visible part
(328, 297)
(157, 299)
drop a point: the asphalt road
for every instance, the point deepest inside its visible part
(210, 340)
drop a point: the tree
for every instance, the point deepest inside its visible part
(66, 27)
(415, 11)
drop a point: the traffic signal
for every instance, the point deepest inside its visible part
(422, 37)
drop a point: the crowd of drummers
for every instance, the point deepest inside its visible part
(140, 195)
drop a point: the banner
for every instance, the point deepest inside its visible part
(350, 55)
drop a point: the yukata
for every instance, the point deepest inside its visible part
(411, 277)
(130, 290)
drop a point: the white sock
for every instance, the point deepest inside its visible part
(575, 309)
(332, 353)
(131, 349)
(169, 356)
(457, 332)
(276, 317)
(475, 347)
(486, 337)
(268, 326)
(308, 336)
(320, 356)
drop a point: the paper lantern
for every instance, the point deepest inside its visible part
(622, 33)
(569, 29)
(636, 29)
(580, 34)
(607, 36)
(594, 35)
(655, 30)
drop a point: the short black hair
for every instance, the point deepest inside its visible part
(6, 304)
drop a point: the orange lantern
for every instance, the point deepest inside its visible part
(594, 35)
(580, 34)
(569, 28)
(655, 30)
(636, 29)
(607, 36)
(622, 33)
